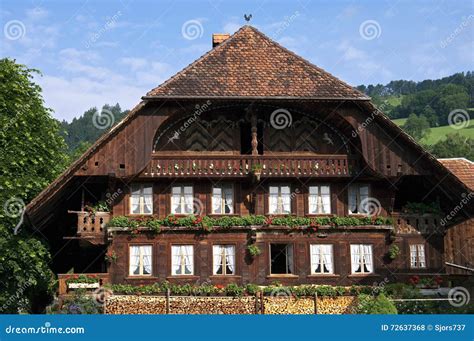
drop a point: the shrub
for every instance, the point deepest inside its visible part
(254, 250)
(393, 251)
(375, 305)
(233, 289)
(252, 289)
(80, 303)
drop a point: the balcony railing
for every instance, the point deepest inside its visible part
(243, 165)
(91, 223)
(411, 223)
(103, 278)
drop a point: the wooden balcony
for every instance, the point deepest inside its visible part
(410, 223)
(63, 288)
(245, 165)
(91, 226)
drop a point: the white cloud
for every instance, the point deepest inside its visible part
(231, 27)
(36, 13)
(134, 63)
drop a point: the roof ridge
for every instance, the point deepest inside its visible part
(307, 62)
(455, 159)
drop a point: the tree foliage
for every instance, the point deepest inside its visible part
(32, 153)
(455, 145)
(417, 126)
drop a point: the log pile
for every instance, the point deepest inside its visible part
(133, 304)
(212, 305)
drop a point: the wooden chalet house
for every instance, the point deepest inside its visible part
(252, 165)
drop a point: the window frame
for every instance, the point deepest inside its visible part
(182, 199)
(358, 200)
(321, 261)
(361, 261)
(292, 273)
(279, 199)
(417, 261)
(141, 200)
(181, 265)
(224, 264)
(319, 191)
(232, 187)
(141, 265)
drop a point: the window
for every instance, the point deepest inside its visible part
(322, 259)
(141, 200)
(417, 256)
(358, 199)
(140, 260)
(361, 259)
(281, 258)
(182, 259)
(224, 259)
(223, 199)
(182, 200)
(319, 200)
(279, 200)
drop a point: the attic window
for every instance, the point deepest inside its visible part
(122, 166)
(96, 163)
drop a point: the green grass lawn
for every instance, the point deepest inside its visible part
(440, 133)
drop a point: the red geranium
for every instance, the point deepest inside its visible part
(438, 280)
(414, 280)
(268, 220)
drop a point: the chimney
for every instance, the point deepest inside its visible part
(218, 38)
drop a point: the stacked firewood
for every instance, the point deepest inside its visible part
(212, 305)
(336, 305)
(132, 304)
(288, 305)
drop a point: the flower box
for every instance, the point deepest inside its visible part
(83, 285)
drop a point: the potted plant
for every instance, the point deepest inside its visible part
(111, 257)
(83, 282)
(257, 171)
(253, 250)
(393, 251)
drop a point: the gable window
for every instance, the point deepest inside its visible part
(182, 262)
(281, 259)
(224, 259)
(140, 260)
(319, 200)
(361, 259)
(223, 199)
(279, 200)
(322, 259)
(141, 200)
(358, 199)
(182, 199)
(417, 256)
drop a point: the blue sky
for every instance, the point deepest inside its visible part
(96, 52)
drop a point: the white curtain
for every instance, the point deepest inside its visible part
(326, 199)
(355, 258)
(289, 259)
(135, 199)
(273, 200)
(188, 259)
(353, 199)
(421, 256)
(176, 199)
(188, 200)
(286, 199)
(228, 200)
(217, 258)
(413, 262)
(368, 261)
(326, 251)
(176, 259)
(134, 261)
(363, 202)
(217, 200)
(312, 200)
(146, 256)
(315, 258)
(230, 258)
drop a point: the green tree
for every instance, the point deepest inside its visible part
(32, 153)
(417, 126)
(455, 145)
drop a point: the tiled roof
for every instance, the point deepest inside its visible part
(462, 168)
(249, 64)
